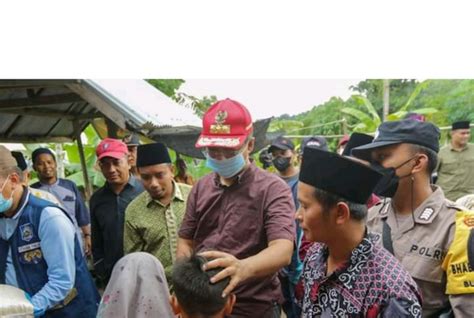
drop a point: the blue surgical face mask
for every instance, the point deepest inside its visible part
(5, 204)
(226, 168)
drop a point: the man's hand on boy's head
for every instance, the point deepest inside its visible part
(235, 268)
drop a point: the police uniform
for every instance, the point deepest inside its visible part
(421, 247)
(423, 241)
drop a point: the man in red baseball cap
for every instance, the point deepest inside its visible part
(240, 216)
(108, 204)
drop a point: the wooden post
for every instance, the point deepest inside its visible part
(112, 129)
(386, 98)
(345, 131)
(87, 184)
(60, 160)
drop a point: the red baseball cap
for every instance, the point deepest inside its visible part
(344, 140)
(226, 124)
(110, 147)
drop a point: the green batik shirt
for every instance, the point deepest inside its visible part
(153, 228)
(456, 171)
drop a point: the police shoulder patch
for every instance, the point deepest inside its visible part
(426, 214)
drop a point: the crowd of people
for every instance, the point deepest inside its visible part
(380, 228)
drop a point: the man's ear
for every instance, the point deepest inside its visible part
(172, 168)
(229, 305)
(251, 144)
(421, 162)
(343, 213)
(175, 304)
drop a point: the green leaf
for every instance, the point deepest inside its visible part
(360, 115)
(421, 86)
(363, 101)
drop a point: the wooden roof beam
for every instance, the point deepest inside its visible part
(39, 101)
(50, 114)
(34, 83)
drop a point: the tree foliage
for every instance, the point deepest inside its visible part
(441, 101)
(170, 87)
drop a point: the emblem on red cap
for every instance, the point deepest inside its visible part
(219, 127)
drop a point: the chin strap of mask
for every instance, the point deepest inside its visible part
(412, 199)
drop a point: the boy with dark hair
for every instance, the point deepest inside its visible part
(194, 294)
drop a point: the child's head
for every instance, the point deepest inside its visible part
(194, 294)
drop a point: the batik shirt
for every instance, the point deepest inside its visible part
(371, 283)
(153, 227)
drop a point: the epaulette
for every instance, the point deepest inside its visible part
(453, 205)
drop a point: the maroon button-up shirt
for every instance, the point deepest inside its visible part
(241, 219)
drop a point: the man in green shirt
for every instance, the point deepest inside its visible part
(153, 218)
(456, 163)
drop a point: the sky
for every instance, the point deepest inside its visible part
(272, 97)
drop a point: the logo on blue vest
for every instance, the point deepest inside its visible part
(26, 231)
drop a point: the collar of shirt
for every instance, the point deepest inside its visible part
(348, 273)
(460, 150)
(9, 225)
(427, 211)
(241, 177)
(132, 182)
(176, 196)
(50, 185)
(423, 214)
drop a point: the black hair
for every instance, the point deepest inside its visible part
(41, 151)
(431, 154)
(196, 295)
(328, 200)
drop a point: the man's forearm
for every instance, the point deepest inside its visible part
(270, 260)
(86, 230)
(185, 248)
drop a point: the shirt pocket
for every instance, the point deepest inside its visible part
(69, 198)
(428, 270)
(450, 167)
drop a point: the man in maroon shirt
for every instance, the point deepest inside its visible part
(240, 216)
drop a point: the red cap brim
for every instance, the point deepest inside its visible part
(112, 154)
(231, 142)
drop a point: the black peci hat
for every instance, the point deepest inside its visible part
(20, 160)
(407, 131)
(461, 125)
(152, 154)
(338, 175)
(356, 140)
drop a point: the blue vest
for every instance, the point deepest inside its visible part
(31, 268)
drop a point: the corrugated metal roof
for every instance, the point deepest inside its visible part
(45, 110)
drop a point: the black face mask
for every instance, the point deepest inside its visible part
(281, 163)
(388, 185)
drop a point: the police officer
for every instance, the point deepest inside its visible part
(456, 163)
(415, 221)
